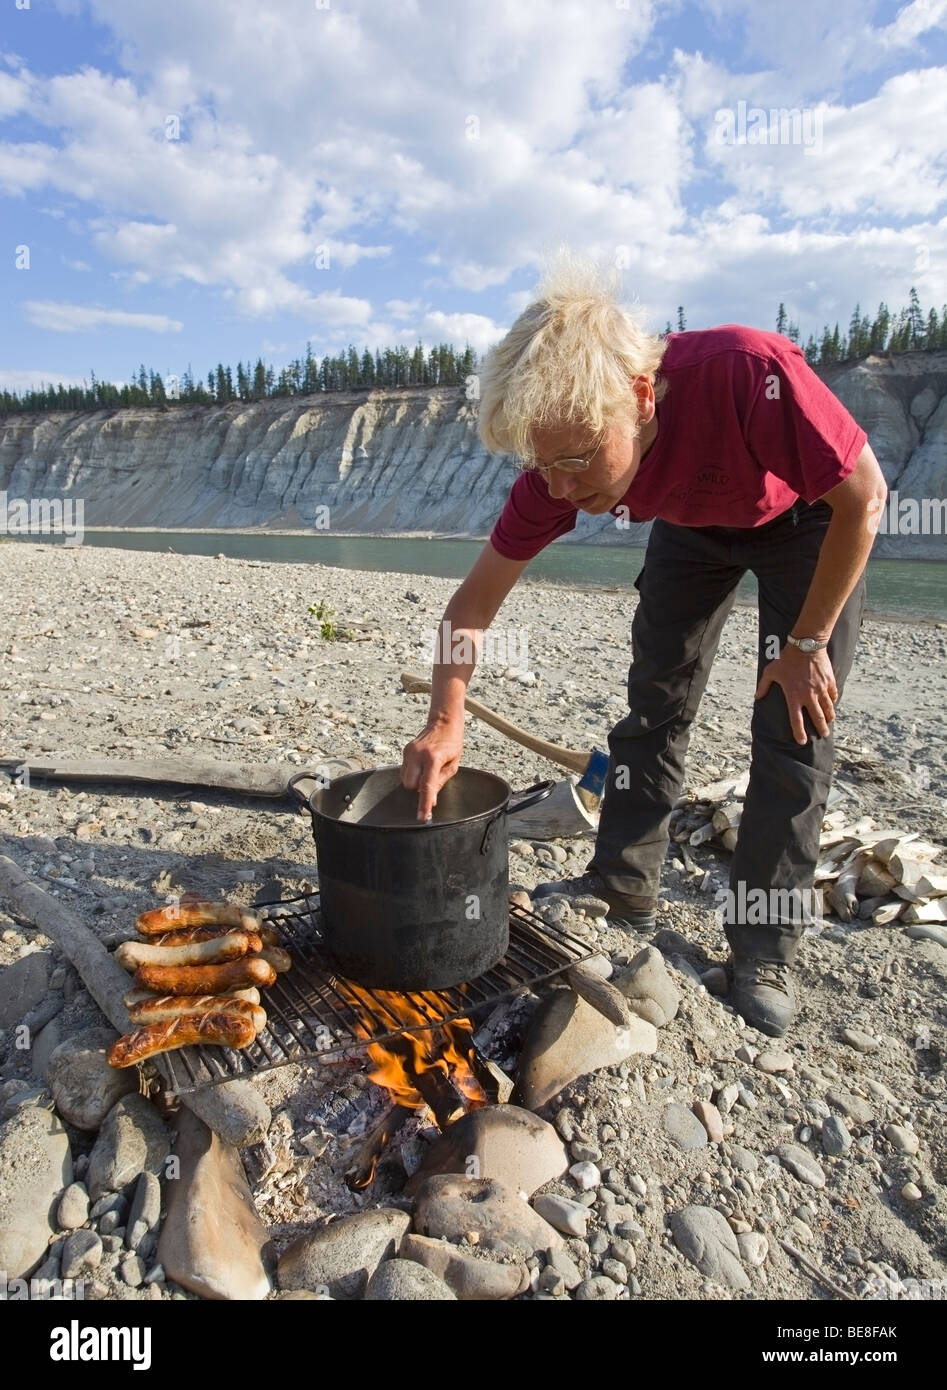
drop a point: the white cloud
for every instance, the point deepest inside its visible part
(27, 379)
(472, 139)
(14, 94)
(339, 310)
(913, 21)
(402, 308)
(349, 253)
(883, 156)
(476, 329)
(76, 318)
(381, 105)
(805, 50)
(24, 166)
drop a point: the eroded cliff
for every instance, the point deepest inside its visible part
(393, 460)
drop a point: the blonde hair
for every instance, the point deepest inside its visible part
(567, 360)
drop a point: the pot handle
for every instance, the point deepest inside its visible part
(293, 790)
(519, 801)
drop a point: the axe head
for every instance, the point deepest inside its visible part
(593, 778)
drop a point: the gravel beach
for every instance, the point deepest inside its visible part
(108, 653)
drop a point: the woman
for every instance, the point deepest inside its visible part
(744, 459)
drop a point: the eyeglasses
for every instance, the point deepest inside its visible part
(577, 465)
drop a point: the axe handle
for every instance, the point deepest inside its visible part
(565, 757)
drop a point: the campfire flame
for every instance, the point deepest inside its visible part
(429, 1068)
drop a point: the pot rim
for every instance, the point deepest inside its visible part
(427, 827)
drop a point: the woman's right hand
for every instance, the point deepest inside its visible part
(429, 761)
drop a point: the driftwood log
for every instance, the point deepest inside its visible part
(233, 1109)
(190, 770)
(604, 997)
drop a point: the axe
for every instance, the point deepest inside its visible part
(592, 766)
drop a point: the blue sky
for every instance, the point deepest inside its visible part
(220, 179)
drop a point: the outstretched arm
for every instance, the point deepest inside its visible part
(807, 680)
(432, 758)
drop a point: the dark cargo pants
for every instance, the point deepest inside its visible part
(687, 588)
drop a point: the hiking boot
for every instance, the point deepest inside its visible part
(625, 912)
(761, 990)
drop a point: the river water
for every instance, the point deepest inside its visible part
(899, 588)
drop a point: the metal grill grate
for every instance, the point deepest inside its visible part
(311, 1013)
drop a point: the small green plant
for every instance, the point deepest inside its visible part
(328, 630)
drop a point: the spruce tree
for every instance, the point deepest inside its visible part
(915, 321)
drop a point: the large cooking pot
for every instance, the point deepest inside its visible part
(411, 905)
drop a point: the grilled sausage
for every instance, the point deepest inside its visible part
(221, 1027)
(205, 979)
(164, 1006)
(186, 936)
(131, 954)
(148, 996)
(190, 912)
(279, 959)
(251, 995)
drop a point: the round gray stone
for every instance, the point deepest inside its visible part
(73, 1207)
(597, 1289)
(904, 1140)
(82, 1250)
(703, 1235)
(132, 1140)
(835, 1136)
(23, 984)
(497, 1141)
(35, 1166)
(408, 1282)
(342, 1256)
(449, 1207)
(145, 1210)
(132, 1270)
(571, 1218)
(852, 1107)
(471, 1277)
(564, 1265)
(83, 1085)
(801, 1164)
(683, 1126)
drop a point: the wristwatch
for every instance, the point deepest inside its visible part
(808, 644)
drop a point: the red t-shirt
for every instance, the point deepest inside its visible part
(744, 429)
